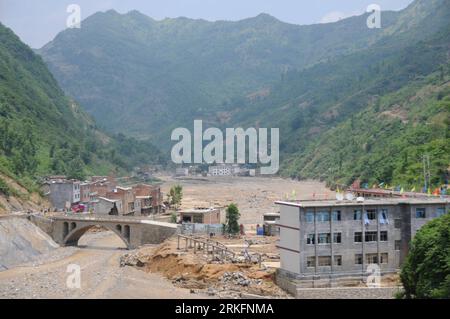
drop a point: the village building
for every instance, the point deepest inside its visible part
(182, 171)
(201, 216)
(89, 198)
(270, 224)
(101, 185)
(126, 196)
(149, 197)
(108, 206)
(63, 193)
(326, 243)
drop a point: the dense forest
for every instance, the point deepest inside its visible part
(42, 131)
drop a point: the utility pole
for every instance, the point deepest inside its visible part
(426, 170)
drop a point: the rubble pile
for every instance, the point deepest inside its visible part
(238, 278)
(135, 259)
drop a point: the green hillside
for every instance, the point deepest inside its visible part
(351, 102)
(353, 117)
(42, 131)
(145, 77)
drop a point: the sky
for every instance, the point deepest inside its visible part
(37, 22)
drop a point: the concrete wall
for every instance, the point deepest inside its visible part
(45, 224)
(347, 293)
(289, 244)
(60, 193)
(156, 232)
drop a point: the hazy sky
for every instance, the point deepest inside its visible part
(38, 21)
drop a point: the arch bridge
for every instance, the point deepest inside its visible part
(133, 231)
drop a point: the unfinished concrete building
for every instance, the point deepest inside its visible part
(331, 243)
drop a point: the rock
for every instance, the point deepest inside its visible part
(211, 292)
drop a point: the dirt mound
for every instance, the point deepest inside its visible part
(193, 271)
(21, 241)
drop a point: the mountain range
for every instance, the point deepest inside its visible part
(351, 102)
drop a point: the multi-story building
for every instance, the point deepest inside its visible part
(126, 196)
(64, 193)
(102, 185)
(220, 170)
(325, 243)
(149, 197)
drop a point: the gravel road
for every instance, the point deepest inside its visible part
(100, 275)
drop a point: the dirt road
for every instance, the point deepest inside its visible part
(101, 276)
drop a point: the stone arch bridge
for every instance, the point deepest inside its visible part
(134, 231)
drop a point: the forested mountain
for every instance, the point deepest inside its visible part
(351, 102)
(371, 114)
(141, 76)
(42, 131)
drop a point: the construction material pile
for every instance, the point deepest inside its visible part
(201, 274)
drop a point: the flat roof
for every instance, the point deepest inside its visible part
(366, 202)
(199, 211)
(109, 199)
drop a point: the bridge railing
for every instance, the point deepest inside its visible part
(101, 217)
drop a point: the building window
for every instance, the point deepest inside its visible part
(371, 214)
(311, 262)
(324, 238)
(358, 237)
(357, 215)
(323, 216)
(383, 236)
(198, 219)
(324, 261)
(397, 223)
(398, 244)
(310, 217)
(384, 258)
(311, 239)
(337, 238)
(384, 216)
(371, 236)
(358, 259)
(420, 213)
(338, 260)
(372, 258)
(336, 215)
(440, 211)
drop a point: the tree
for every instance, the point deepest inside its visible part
(232, 219)
(75, 169)
(426, 271)
(176, 195)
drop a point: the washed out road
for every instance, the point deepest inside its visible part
(101, 276)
